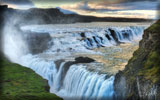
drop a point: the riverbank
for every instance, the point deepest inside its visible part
(140, 79)
(20, 83)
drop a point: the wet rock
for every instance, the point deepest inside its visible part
(113, 34)
(58, 63)
(127, 34)
(84, 60)
(108, 37)
(2, 10)
(37, 42)
(89, 42)
(83, 35)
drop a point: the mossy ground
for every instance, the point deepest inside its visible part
(151, 70)
(145, 63)
(152, 67)
(155, 27)
(20, 83)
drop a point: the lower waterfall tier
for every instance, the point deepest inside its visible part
(77, 82)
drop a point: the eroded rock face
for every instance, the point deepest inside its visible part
(120, 87)
(37, 42)
(113, 34)
(2, 9)
(140, 80)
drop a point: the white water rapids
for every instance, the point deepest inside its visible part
(73, 81)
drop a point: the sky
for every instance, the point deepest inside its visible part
(99, 8)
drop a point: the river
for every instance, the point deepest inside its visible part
(81, 59)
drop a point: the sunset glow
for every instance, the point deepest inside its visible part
(99, 8)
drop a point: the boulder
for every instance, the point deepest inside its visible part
(37, 42)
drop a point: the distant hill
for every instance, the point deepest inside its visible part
(64, 11)
(56, 16)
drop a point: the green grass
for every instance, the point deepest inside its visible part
(155, 27)
(152, 66)
(146, 62)
(20, 83)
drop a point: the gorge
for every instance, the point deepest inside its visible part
(70, 57)
(140, 79)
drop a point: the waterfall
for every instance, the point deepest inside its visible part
(88, 38)
(79, 83)
(112, 36)
(13, 44)
(84, 85)
(70, 81)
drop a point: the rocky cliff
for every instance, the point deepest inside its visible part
(140, 80)
(2, 9)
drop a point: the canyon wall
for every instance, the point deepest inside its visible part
(141, 78)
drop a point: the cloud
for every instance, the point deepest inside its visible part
(20, 4)
(95, 7)
(118, 8)
(141, 5)
(138, 0)
(102, 7)
(87, 6)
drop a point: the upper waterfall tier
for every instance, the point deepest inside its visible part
(78, 39)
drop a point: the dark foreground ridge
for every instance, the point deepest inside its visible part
(141, 78)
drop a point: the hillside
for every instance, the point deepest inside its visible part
(141, 78)
(20, 83)
(56, 16)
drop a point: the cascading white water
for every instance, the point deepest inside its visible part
(127, 34)
(84, 85)
(78, 82)
(93, 37)
(13, 44)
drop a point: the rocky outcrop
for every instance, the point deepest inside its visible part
(37, 42)
(2, 10)
(140, 80)
(78, 60)
(113, 34)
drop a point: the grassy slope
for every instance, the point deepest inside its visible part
(146, 60)
(151, 63)
(20, 83)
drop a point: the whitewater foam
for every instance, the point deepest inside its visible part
(77, 82)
